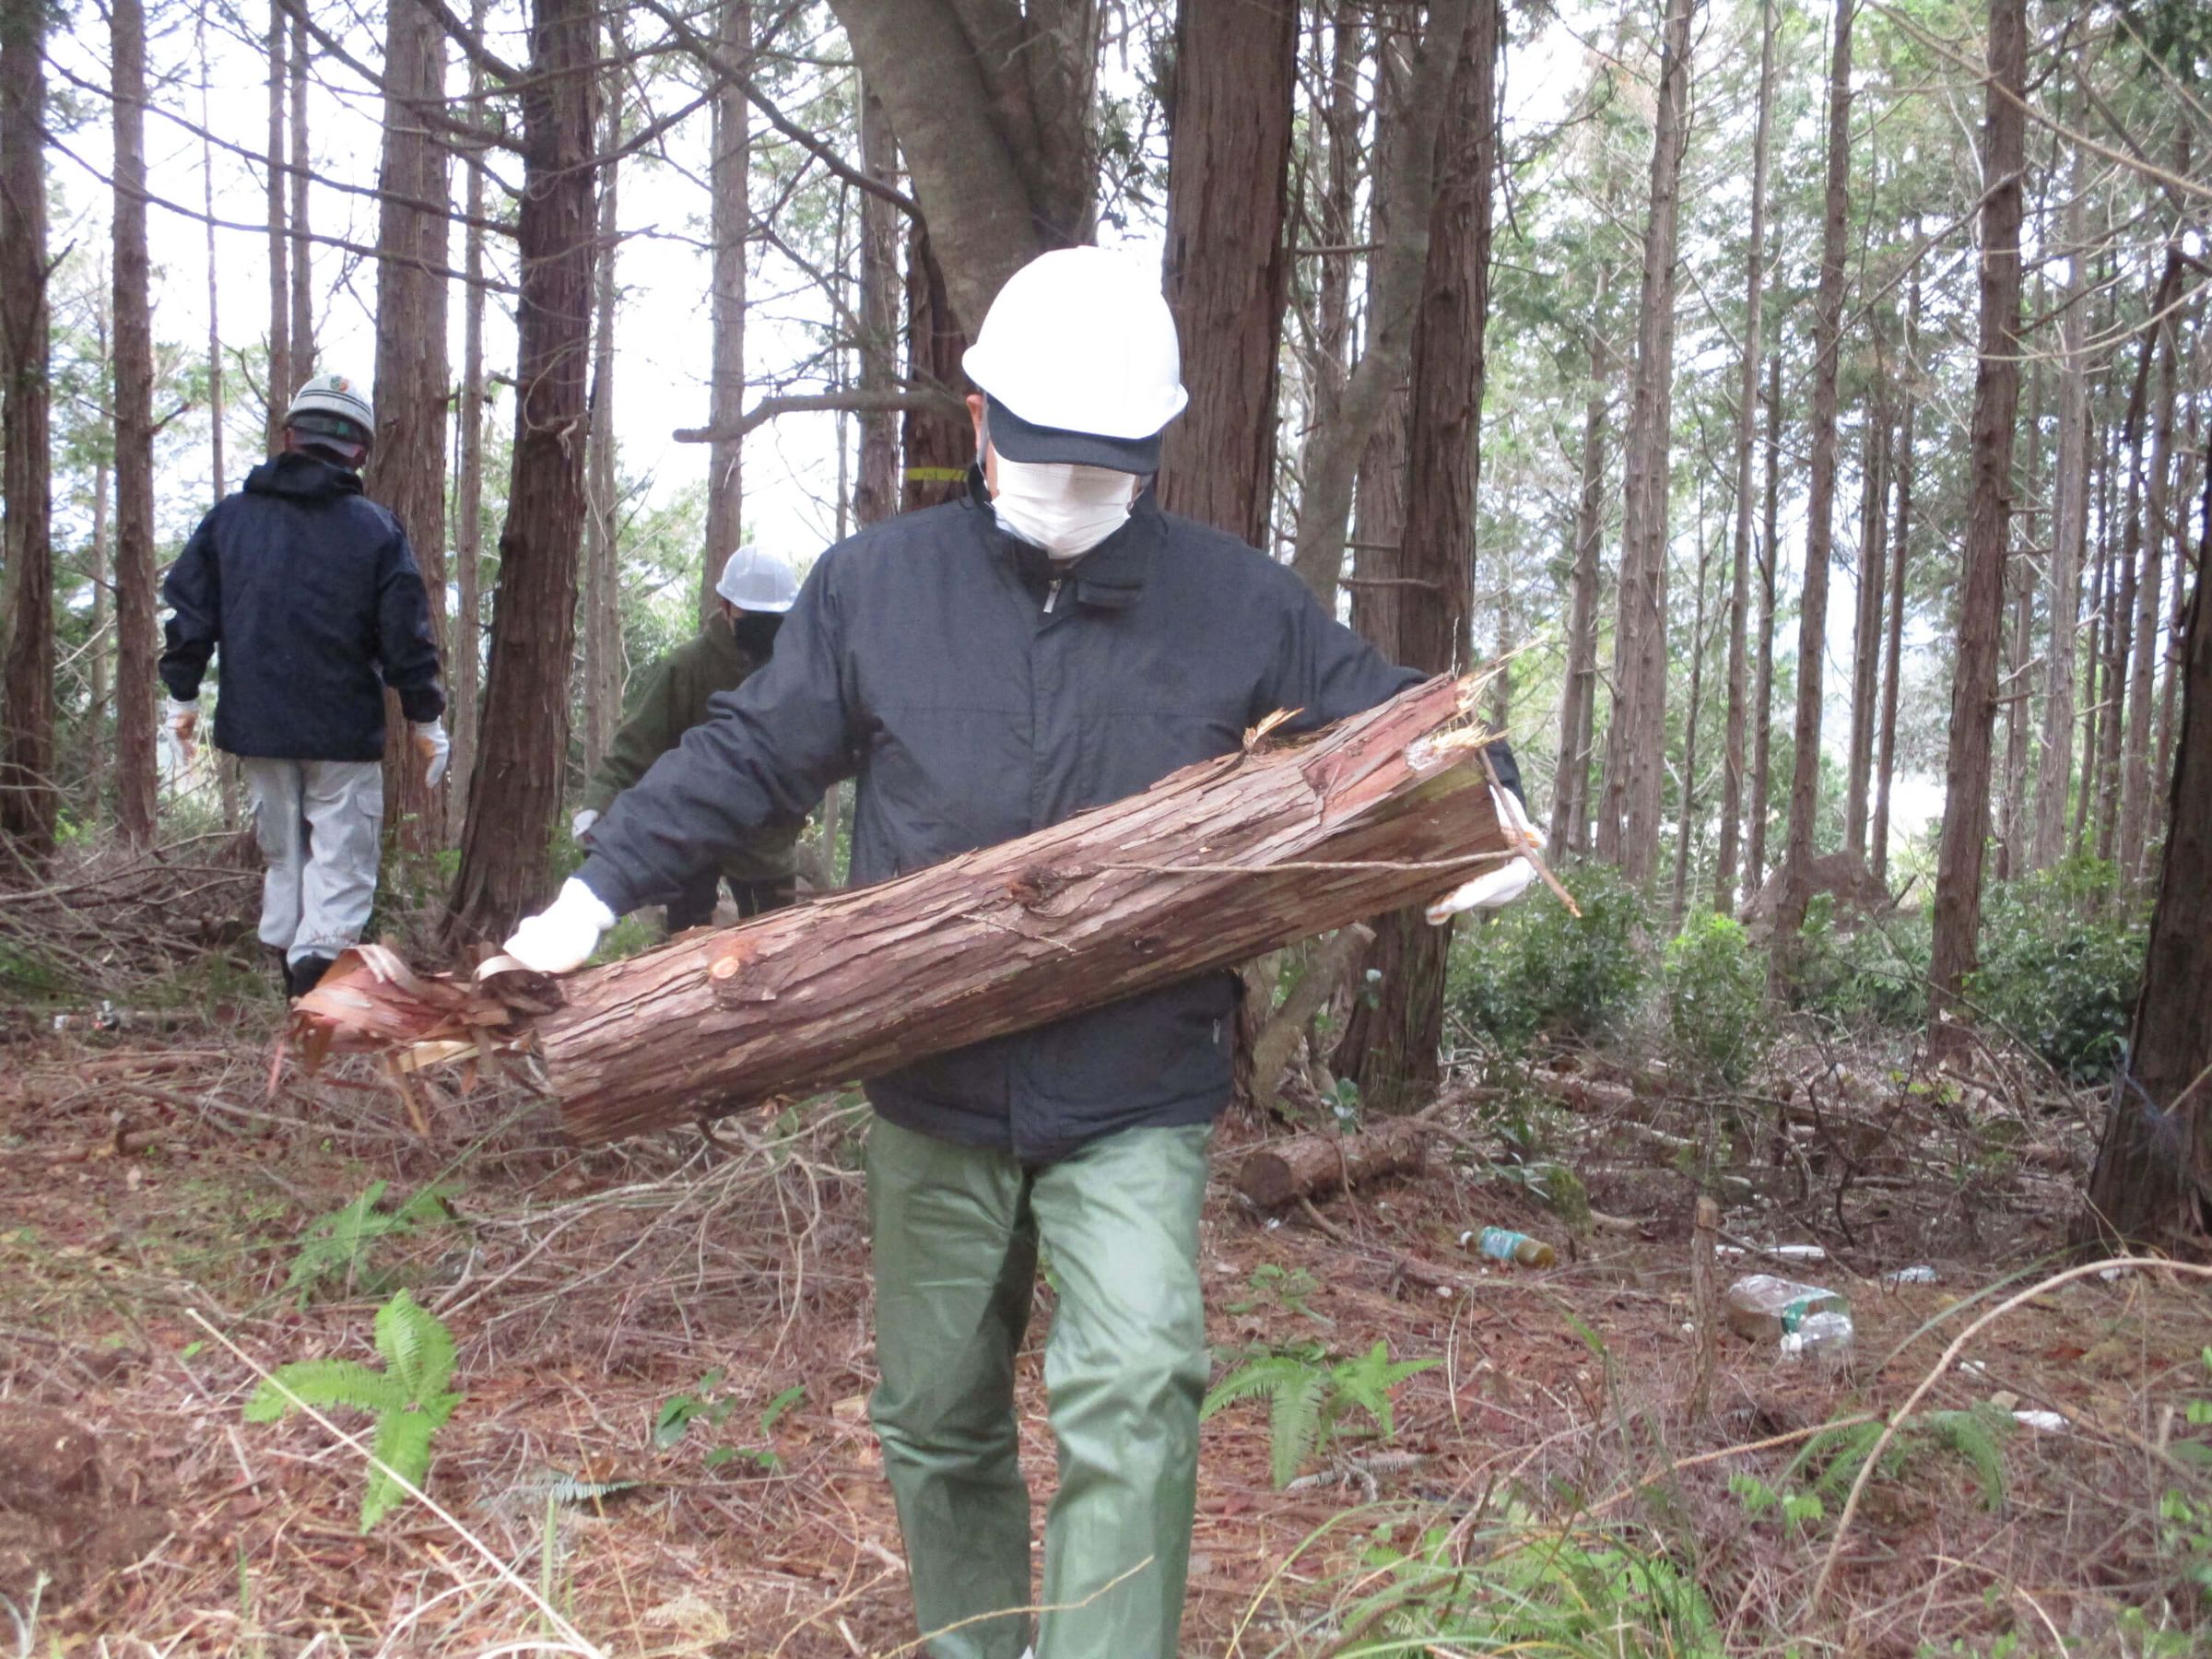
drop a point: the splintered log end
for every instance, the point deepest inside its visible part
(1307, 1166)
(731, 978)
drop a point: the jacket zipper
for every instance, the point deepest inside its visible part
(1051, 596)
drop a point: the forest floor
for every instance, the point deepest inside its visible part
(150, 1179)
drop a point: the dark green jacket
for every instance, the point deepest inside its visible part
(665, 703)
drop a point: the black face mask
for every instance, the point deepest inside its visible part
(755, 630)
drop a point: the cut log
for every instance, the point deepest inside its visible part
(1211, 865)
(1307, 1166)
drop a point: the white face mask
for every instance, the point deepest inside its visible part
(1064, 509)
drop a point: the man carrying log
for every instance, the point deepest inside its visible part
(753, 592)
(986, 669)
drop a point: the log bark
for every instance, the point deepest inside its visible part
(1307, 1166)
(1211, 865)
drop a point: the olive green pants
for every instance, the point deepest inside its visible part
(956, 1236)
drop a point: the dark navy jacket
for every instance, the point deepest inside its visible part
(979, 692)
(313, 593)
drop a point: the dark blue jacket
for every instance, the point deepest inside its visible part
(311, 590)
(979, 692)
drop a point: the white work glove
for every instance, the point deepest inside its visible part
(435, 747)
(1501, 884)
(181, 719)
(564, 933)
(580, 826)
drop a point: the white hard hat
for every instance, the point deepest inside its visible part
(754, 581)
(336, 394)
(1079, 349)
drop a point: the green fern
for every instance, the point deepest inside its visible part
(408, 1398)
(1975, 1435)
(337, 1243)
(1308, 1398)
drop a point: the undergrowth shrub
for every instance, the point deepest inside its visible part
(2062, 958)
(1715, 999)
(1875, 974)
(1538, 970)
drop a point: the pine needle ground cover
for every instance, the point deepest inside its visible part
(661, 1356)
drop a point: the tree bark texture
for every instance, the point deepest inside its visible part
(303, 265)
(282, 383)
(1228, 260)
(30, 802)
(517, 786)
(2119, 638)
(1391, 1045)
(2013, 831)
(1313, 1165)
(1329, 350)
(1763, 691)
(730, 183)
(1396, 271)
(1746, 406)
(1686, 822)
(407, 469)
(1820, 508)
(1901, 543)
(602, 604)
(2136, 784)
(136, 776)
(2154, 1163)
(1629, 819)
(2070, 540)
(464, 659)
(1212, 866)
(876, 494)
(1867, 623)
(939, 445)
(1577, 697)
(1958, 902)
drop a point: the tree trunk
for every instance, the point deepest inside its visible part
(467, 656)
(215, 329)
(1228, 262)
(2154, 1164)
(2020, 575)
(1901, 541)
(136, 775)
(1381, 522)
(1392, 1048)
(1762, 695)
(99, 654)
(2135, 799)
(1578, 699)
(730, 183)
(1396, 274)
(1690, 732)
(2119, 636)
(407, 469)
(1329, 355)
(2069, 539)
(30, 803)
(939, 445)
(303, 304)
(875, 496)
(1821, 507)
(602, 624)
(1957, 903)
(1629, 820)
(1210, 866)
(1866, 626)
(282, 382)
(1747, 401)
(517, 787)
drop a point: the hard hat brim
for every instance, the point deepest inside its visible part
(757, 607)
(1018, 440)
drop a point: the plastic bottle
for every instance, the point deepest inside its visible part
(1766, 1309)
(1910, 1276)
(1824, 1335)
(1503, 1244)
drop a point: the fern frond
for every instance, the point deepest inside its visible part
(1294, 1424)
(1266, 1375)
(1973, 1434)
(325, 1383)
(403, 1442)
(416, 1345)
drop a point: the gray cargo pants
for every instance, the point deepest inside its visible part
(318, 823)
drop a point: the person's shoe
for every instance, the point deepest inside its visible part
(305, 974)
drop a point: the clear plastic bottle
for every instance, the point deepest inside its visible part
(1767, 1309)
(1503, 1244)
(1824, 1335)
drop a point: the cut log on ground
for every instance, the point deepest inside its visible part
(1307, 1166)
(1211, 865)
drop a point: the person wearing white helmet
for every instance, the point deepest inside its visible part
(668, 699)
(985, 668)
(310, 594)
